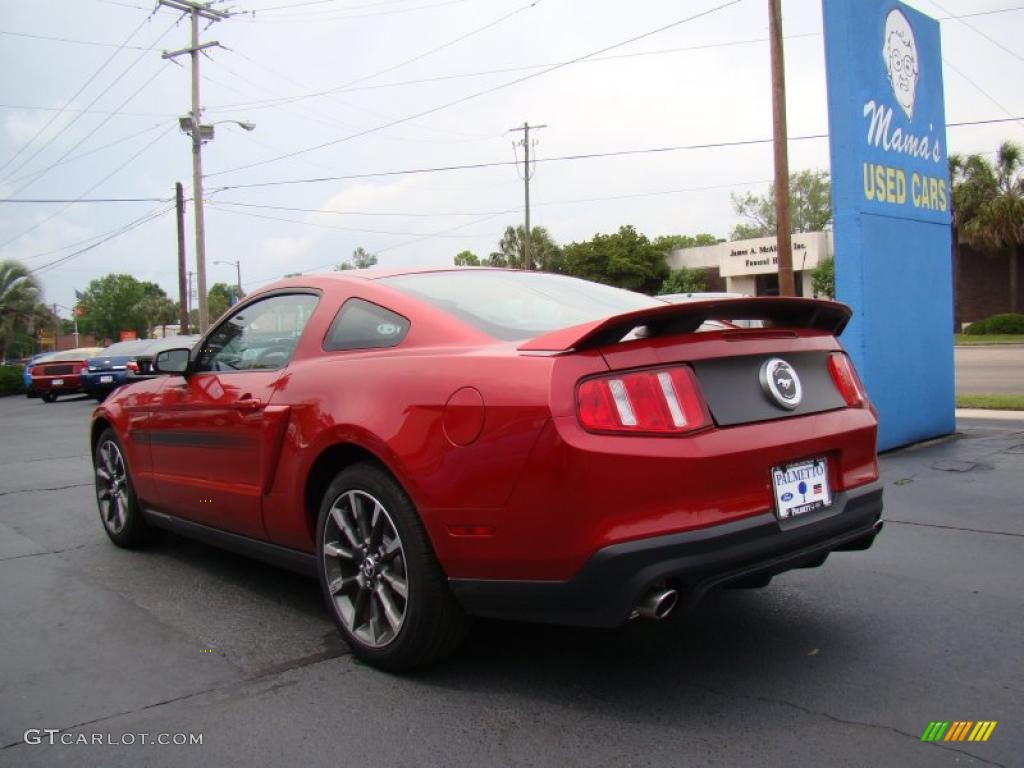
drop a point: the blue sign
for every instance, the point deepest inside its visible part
(891, 203)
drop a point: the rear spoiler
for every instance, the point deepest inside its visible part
(829, 316)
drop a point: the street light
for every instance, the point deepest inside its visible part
(201, 133)
(238, 271)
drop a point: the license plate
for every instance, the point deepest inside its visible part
(57, 382)
(801, 488)
(106, 379)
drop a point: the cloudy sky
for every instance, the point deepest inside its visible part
(360, 92)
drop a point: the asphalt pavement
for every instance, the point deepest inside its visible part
(845, 665)
(990, 370)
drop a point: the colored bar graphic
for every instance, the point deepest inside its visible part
(959, 730)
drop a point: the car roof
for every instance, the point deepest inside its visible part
(318, 279)
(81, 353)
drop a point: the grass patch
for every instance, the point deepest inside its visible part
(965, 340)
(991, 402)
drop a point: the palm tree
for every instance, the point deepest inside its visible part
(20, 300)
(988, 207)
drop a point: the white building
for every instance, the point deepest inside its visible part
(751, 267)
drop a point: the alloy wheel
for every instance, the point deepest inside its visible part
(364, 563)
(112, 487)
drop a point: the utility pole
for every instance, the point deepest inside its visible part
(525, 144)
(189, 292)
(194, 127)
(179, 199)
(783, 228)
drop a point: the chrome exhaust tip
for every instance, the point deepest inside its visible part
(657, 604)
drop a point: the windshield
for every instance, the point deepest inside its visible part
(518, 305)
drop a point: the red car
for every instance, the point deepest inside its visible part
(440, 444)
(59, 374)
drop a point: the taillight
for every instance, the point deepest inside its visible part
(846, 380)
(132, 366)
(665, 401)
(83, 369)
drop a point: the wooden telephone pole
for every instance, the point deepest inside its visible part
(783, 227)
(525, 144)
(197, 11)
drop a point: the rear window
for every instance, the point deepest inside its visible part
(518, 305)
(126, 348)
(362, 325)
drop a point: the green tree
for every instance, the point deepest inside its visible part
(467, 259)
(544, 252)
(810, 206)
(823, 278)
(988, 207)
(361, 259)
(625, 259)
(116, 303)
(21, 310)
(219, 298)
(158, 311)
(684, 280)
(668, 243)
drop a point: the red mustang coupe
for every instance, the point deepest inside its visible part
(435, 445)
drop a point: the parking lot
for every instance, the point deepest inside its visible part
(845, 665)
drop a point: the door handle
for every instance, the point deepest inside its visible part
(249, 404)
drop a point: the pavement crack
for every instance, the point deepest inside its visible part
(40, 490)
(49, 458)
(38, 554)
(270, 672)
(844, 721)
(889, 520)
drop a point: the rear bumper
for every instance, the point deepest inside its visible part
(44, 384)
(607, 588)
(94, 388)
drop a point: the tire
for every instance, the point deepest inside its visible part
(371, 547)
(115, 497)
(48, 397)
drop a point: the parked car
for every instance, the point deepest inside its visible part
(144, 361)
(108, 370)
(119, 362)
(26, 373)
(59, 374)
(440, 444)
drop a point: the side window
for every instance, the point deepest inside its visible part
(362, 325)
(259, 337)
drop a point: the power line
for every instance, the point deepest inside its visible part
(85, 200)
(331, 226)
(493, 89)
(50, 38)
(481, 73)
(419, 56)
(68, 103)
(115, 143)
(145, 219)
(90, 189)
(87, 111)
(562, 158)
(312, 17)
(68, 125)
(321, 2)
(977, 31)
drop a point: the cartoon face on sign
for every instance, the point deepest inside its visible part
(899, 49)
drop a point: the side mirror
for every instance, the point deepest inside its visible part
(172, 361)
